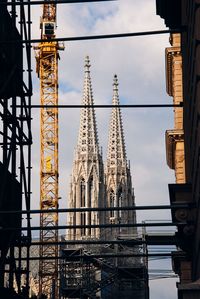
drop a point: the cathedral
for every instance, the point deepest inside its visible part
(93, 185)
(98, 185)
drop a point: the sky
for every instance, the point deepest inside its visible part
(139, 63)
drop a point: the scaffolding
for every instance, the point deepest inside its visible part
(15, 141)
(85, 274)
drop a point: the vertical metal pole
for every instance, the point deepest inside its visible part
(13, 156)
(30, 142)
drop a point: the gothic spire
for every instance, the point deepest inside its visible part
(119, 191)
(88, 137)
(87, 187)
(116, 146)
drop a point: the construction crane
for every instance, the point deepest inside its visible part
(47, 55)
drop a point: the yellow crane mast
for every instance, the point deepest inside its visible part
(47, 54)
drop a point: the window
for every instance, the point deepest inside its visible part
(112, 203)
(48, 28)
(90, 191)
(83, 222)
(82, 192)
(120, 199)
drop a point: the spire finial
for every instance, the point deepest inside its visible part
(115, 91)
(115, 81)
(87, 64)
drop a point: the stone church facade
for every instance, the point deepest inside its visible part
(94, 185)
(96, 261)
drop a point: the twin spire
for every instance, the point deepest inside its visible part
(92, 185)
(88, 136)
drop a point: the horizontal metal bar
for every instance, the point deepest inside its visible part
(120, 255)
(16, 143)
(58, 227)
(94, 242)
(85, 257)
(172, 240)
(51, 2)
(77, 210)
(109, 106)
(94, 37)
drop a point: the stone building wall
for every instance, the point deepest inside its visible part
(174, 82)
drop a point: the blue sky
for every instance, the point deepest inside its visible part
(139, 64)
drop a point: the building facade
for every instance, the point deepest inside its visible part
(174, 84)
(84, 273)
(93, 185)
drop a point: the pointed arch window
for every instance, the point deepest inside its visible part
(83, 222)
(82, 193)
(82, 202)
(91, 190)
(120, 201)
(112, 203)
(90, 200)
(120, 196)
